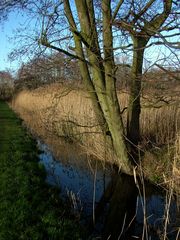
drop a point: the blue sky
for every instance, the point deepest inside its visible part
(7, 29)
(15, 19)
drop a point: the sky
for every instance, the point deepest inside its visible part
(7, 29)
(6, 45)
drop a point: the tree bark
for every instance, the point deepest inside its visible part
(134, 106)
(84, 70)
(113, 115)
(103, 76)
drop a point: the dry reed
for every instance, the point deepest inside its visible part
(68, 113)
(58, 111)
(65, 113)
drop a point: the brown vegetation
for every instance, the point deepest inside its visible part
(68, 113)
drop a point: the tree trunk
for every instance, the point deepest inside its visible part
(103, 77)
(134, 107)
(140, 39)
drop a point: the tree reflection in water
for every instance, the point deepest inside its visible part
(119, 212)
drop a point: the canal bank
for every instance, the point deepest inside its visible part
(29, 207)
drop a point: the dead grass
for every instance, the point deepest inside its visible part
(176, 167)
(57, 111)
(64, 112)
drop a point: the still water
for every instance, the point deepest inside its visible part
(77, 178)
(110, 203)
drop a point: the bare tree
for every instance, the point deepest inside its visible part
(143, 21)
(88, 31)
(46, 70)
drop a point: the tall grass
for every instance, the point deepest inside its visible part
(176, 166)
(68, 113)
(56, 111)
(64, 113)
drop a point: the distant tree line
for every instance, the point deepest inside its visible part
(46, 70)
(57, 68)
(6, 85)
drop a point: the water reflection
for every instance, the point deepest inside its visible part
(120, 218)
(118, 208)
(152, 215)
(77, 178)
(134, 216)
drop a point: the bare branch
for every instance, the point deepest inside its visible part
(146, 7)
(117, 9)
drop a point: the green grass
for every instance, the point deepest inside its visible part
(29, 207)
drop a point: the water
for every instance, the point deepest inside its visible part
(81, 181)
(155, 216)
(123, 212)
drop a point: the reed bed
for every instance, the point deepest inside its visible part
(68, 113)
(174, 181)
(57, 111)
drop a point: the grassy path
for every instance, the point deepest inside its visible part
(29, 208)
